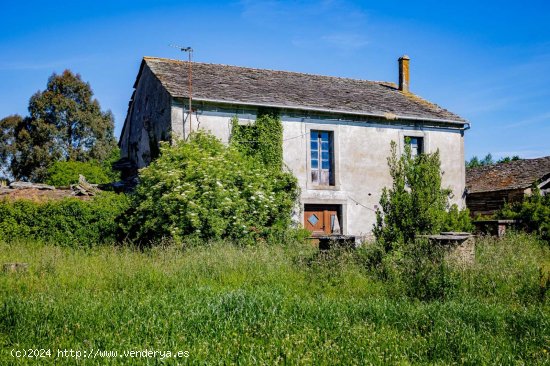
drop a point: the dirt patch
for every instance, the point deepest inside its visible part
(38, 195)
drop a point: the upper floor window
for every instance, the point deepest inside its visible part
(416, 144)
(322, 157)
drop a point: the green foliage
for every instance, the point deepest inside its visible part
(416, 203)
(475, 162)
(533, 213)
(508, 159)
(68, 222)
(64, 173)
(262, 140)
(457, 220)
(510, 268)
(418, 270)
(202, 188)
(268, 305)
(65, 124)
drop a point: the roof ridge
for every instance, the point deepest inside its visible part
(377, 82)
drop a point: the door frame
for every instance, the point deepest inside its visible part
(341, 209)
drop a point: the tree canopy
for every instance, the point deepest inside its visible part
(65, 123)
(474, 162)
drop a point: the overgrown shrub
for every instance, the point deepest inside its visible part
(457, 220)
(262, 140)
(201, 188)
(67, 222)
(533, 213)
(64, 173)
(416, 203)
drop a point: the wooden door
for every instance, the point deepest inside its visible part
(322, 220)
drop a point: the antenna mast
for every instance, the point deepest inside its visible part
(189, 51)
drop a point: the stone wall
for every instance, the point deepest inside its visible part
(148, 121)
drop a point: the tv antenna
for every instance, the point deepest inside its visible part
(189, 51)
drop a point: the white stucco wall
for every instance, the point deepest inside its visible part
(360, 152)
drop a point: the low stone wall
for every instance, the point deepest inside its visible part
(460, 247)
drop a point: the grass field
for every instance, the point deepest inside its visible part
(267, 305)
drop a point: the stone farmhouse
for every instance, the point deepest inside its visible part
(490, 187)
(336, 131)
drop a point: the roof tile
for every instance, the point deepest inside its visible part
(246, 85)
(519, 174)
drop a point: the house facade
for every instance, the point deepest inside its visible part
(336, 131)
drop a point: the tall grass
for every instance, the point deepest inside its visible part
(269, 305)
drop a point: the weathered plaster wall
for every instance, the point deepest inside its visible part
(148, 121)
(361, 150)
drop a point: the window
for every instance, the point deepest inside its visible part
(416, 144)
(322, 157)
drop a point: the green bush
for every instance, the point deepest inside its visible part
(204, 189)
(533, 213)
(68, 222)
(64, 173)
(416, 203)
(457, 220)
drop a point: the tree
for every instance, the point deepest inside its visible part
(508, 159)
(65, 124)
(475, 162)
(416, 203)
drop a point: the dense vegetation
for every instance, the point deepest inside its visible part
(204, 189)
(67, 222)
(416, 203)
(533, 213)
(262, 140)
(65, 124)
(272, 304)
(65, 173)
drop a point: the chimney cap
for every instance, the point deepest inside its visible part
(404, 57)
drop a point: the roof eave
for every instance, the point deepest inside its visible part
(388, 116)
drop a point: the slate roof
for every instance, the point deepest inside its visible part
(293, 90)
(519, 174)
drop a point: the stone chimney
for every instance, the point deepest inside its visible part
(404, 73)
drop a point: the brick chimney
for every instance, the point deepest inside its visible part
(404, 73)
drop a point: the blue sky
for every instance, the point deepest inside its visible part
(488, 61)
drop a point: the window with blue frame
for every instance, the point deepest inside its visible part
(416, 144)
(322, 157)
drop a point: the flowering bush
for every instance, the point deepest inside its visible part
(202, 188)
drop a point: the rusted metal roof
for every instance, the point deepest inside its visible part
(517, 174)
(284, 89)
